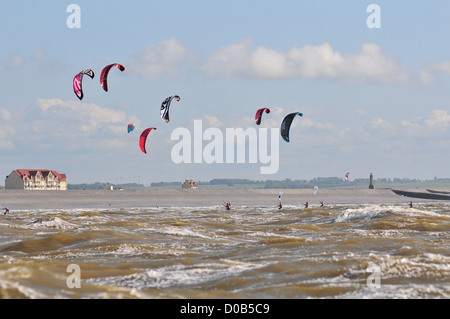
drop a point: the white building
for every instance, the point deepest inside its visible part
(36, 179)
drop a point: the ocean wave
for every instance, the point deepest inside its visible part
(250, 252)
(369, 212)
(178, 275)
(54, 222)
(374, 211)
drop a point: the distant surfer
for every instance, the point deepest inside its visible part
(228, 206)
(6, 210)
(410, 204)
(280, 196)
(306, 204)
(321, 204)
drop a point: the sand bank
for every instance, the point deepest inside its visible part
(21, 199)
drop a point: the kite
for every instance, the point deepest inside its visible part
(77, 82)
(346, 176)
(259, 114)
(143, 138)
(130, 127)
(165, 107)
(286, 125)
(104, 75)
(316, 190)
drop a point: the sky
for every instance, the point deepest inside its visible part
(371, 82)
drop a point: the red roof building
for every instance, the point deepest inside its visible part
(36, 179)
(189, 183)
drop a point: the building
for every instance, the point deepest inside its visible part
(189, 183)
(36, 179)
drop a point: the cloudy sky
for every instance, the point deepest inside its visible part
(372, 83)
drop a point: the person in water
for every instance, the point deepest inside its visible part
(228, 206)
(280, 206)
(6, 210)
(321, 204)
(411, 204)
(306, 205)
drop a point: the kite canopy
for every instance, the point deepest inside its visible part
(143, 138)
(130, 127)
(77, 80)
(165, 105)
(259, 114)
(316, 189)
(105, 72)
(286, 125)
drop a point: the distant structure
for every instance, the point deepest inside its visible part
(109, 187)
(189, 183)
(36, 179)
(371, 181)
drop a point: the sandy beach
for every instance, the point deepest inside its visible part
(21, 199)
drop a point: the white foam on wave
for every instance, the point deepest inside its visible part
(427, 265)
(11, 280)
(184, 232)
(413, 291)
(373, 211)
(179, 275)
(367, 212)
(127, 249)
(54, 222)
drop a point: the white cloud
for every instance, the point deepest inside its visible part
(7, 130)
(427, 75)
(4, 144)
(5, 115)
(435, 125)
(47, 63)
(91, 116)
(439, 120)
(156, 60)
(359, 112)
(322, 61)
(80, 122)
(379, 123)
(212, 121)
(429, 133)
(230, 60)
(15, 62)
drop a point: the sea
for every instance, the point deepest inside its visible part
(342, 251)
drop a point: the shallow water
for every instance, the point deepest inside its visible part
(339, 251)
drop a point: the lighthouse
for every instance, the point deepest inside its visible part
(371, 182)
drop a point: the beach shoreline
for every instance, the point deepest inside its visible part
(25, 199)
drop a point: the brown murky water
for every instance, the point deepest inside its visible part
(339, 251)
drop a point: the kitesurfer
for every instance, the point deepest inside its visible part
(6, 210)
(228, 206)
(410, 204)
(280, 206)
(321, 204)
(306, 204)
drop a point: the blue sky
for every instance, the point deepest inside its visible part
(375, 100)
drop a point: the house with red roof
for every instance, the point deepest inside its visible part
(189, 183)
(36, 179)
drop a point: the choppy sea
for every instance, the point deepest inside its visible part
(333, 252)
